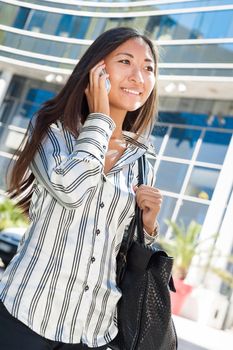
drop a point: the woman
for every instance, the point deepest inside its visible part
(78, 171)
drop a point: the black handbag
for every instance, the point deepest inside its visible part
(144, 277)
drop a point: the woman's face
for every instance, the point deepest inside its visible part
(131, 70)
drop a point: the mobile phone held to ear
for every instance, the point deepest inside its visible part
(107, 81)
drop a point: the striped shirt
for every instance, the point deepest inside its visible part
(62, 281)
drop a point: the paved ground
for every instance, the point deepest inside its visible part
(185, 345)
(195, 336)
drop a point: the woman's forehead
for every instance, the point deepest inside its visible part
(135, 47)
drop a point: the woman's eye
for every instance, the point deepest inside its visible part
(125, 61)
(150, 68)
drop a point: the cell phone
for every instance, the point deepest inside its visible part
(107, 81)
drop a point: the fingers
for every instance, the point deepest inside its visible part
(148, 205)
(96, 93)
(97, 77)
(148, 191)
(148, 197)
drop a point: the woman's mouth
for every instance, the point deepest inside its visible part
(132, 92)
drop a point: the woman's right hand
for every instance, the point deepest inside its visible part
(96, 93)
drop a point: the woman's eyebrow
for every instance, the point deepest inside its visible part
(130, 55)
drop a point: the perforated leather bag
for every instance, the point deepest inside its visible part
(144, 277)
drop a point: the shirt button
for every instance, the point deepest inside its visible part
(104, 147)
(102, 156)
(110, 127)
(101, 205)
(86, 288)
(97, 232)
(93, 259)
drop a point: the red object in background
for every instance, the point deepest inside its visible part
(178, 298)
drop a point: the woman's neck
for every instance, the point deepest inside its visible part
(118, 118)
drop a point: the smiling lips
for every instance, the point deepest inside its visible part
(133, 92)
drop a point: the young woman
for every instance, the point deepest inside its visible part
(77, 174)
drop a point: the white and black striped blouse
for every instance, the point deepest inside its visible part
(61, 283)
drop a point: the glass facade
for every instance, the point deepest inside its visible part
(190, 157)
(74, 23)
(206, 24)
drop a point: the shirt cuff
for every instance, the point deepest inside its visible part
(94, 135)
(149, 239)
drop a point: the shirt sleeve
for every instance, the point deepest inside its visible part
(70, 176)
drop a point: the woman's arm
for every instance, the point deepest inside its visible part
(70, 176)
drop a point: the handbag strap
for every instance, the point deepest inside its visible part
(138, 211)
(136, 223)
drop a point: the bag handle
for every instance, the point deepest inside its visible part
(138, 211)
(136, 223)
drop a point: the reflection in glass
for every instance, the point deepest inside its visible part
(202, 182)
(170, 176)
(182, 142)
(211, 53)
(166, 212)
(24, 97)
(195, 118)
(214, 147)
(21, 17)
(157, 136)
(73, 26)
(34, 99)
(192, 211)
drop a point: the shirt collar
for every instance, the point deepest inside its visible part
(137, 146)
(140, 141)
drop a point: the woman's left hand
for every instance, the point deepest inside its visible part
(149, 200)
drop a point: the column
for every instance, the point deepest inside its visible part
(5, 80)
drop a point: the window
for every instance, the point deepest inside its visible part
(192, 211)
(182, 142)
(166, 212)
(21, 17)
(214, 147)
(157, 136)
(37, 21)
(73, 26)
(34, 99)
(202, 182)
(170, 176)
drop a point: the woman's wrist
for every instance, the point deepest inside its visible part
(152, 231)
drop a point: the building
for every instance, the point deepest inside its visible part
(40, 41)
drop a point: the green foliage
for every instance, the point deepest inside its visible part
(11, 215)
(183, 245)
(225, 276)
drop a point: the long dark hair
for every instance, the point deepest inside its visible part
(71, 105)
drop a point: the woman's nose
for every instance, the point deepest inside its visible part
(137, 76)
